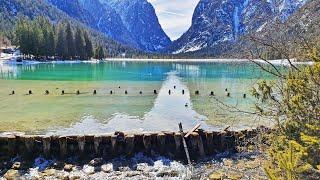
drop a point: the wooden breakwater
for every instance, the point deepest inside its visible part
(200, 144)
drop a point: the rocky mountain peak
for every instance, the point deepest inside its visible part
(219, 21)
(140, 19)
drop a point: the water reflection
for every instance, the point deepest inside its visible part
(167, 112)
(134, 112)
(134, 71)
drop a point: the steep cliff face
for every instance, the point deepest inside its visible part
(11, 10)
(217, 22)
(140, 19)
(99, 17)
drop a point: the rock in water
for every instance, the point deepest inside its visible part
(216, 176)
(12, 174)
(88, 169)
(68, 167)
(96, 162)
(107, 168)
(49, 172)
(16, 166)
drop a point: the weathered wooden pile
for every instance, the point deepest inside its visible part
(200, 144)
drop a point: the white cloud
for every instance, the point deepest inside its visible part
(175, 16)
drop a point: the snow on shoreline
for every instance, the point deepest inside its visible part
(276, 62)
(12, 61)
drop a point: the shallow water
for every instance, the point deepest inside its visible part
(134, 112)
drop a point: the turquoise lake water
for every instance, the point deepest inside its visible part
(105, 112)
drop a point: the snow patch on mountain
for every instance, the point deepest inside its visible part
(140, 19)
(215, 21)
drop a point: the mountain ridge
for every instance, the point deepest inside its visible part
(140, 19)
(99, 17)
(222, 22)
(11, 10)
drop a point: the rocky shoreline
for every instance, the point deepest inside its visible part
(221, 166)
(243, 160)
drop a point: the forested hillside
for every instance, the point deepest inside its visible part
(12, 10)
(41, 39)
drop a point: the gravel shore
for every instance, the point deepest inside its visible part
(220, 166)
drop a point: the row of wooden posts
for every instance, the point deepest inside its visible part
(195, 144)
(126, 92)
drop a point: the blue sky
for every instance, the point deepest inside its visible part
(174, 15)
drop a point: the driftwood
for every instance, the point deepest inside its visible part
(192, 130)
(185, 144)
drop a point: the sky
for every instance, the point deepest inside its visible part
(175, 16)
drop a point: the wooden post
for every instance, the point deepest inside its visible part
(184, 144)
(46, 141)
(192, 130)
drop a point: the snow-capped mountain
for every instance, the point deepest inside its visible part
(132, 22)
(101, 18)
(217, 25)
(12, 10)
(140, 19)
(217, 22)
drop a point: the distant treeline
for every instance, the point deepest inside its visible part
(40, 39)
(4, 41)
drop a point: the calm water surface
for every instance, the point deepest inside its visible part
(101, 113)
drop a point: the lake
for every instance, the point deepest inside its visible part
(133, 111)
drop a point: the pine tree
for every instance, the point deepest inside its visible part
(22, 35)
(40, 38)
(69, 42)
(50, 45)
(101, 53)
(80, 44)
(89, 48)
(61, 43)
